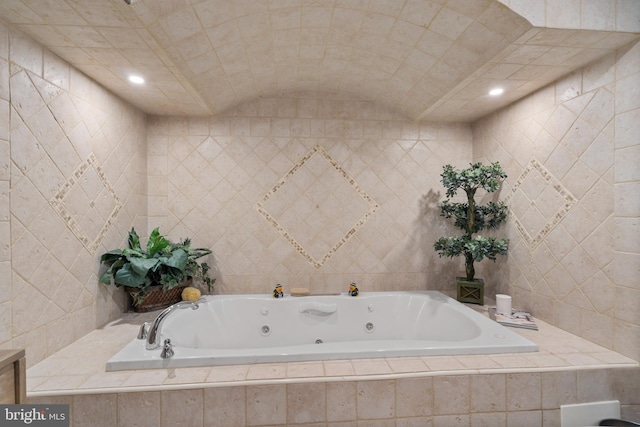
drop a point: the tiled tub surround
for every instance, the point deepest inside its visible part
(496, 390)
(72, 182)
(202, 177)
(574, 199)
(570, 151)
(396, 161)
(307, 189)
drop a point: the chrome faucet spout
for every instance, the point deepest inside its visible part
(153, 334)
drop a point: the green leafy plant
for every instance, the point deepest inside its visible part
(471, 217)
(161, 263)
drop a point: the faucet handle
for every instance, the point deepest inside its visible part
(167, 350)
(144, 331)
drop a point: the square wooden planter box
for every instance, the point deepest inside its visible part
(470, 291)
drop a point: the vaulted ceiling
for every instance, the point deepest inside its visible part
(427, 59)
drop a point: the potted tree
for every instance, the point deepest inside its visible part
(472, 218)
(156, 275)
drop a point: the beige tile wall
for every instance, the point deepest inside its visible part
(72, 173)
(307, 189)
(5, 174)
(581, 273)
(206, 177)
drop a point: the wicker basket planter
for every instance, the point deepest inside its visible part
(155, 299)
(160, 262)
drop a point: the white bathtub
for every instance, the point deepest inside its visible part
(243, 329)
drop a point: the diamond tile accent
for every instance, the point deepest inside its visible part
(87, 203)
(538, 202)
(317, 206)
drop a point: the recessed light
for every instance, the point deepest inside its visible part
(496, 91)
(136, 79)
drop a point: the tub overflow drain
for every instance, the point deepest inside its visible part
(318, 341)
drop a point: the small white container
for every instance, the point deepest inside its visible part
(503, 304)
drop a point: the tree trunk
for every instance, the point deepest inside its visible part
(471, 220)
(471, 210)
(471, 272)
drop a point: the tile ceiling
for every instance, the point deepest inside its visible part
(427, 59)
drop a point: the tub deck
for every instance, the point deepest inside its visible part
(80, 368)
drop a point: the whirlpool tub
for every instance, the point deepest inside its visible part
(244, 329)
